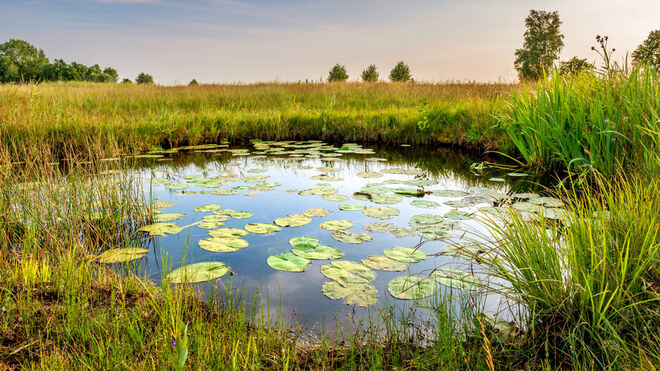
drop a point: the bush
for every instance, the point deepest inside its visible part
(144, 78)
(370, 74)
(400, 73)
(337, 73)
(193, 82)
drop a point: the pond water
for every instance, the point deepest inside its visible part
(409, 207)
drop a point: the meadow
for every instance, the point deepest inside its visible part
(588, 286)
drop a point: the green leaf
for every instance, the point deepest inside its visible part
(425, 204)
(378, 227)
(318, 252)
(427, 219)
(293, 220)
(317, 211)
(262, 228)
(161, 229)
(457, 278)
(381, 212)
(386, 199)
(384, 263)
(304, 242)
(162, 205)
(360, 294)
(449, 193)
(207, 208)
(168, 217)
(369, 174)
(288, 262)
(228, 233)
(352, 207)
(198, 272)
(335, 198)
(318, 192)
(406, 254)
(458, 215)
(345, 271)
(335, 225)
(412, 287)
(211, 225)
(401, 232)
(241, 215)
(223, 244)
(348, 236)
(122, 255)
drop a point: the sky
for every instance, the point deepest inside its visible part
(235, 41)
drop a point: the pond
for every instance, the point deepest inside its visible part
(325, 231)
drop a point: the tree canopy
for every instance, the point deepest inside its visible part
(337, 73)
(400, 73)
(144, 78)
(370, 74)
(543, 42)
(648, 52)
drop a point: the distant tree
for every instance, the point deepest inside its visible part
(144, 78)
(21, 61)
(400, 73)
(574, 66)
(193, 82)
(338, 73)
(127, 81)
(110, 74)
(543, 42)
(370, 74)
(648, 52)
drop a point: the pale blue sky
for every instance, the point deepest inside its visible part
(218, 41)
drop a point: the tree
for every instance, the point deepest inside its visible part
(21, 61)
(370, 74)
(144, 78)
(337, 73)
(400, 73)
(574, 66)
(543, 42)
(126, 81)
(193, 82)
(648, 52)
(110, 74)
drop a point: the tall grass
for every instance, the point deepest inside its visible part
(590, 285)
(588, 122)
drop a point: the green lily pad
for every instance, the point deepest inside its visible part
(352, 207)
(228, 233)
(497, 180)
(425, 204)
(262, 228)
(406, 254)
(198, 272)
(464, 250)
(385, 199)
(288, 262)
(162, 205)
(122, 255)
(369, 174)
(547, 201)
(408, 191)
(360, 294)
(378, 227)
(241, 215)
(525, 206)
(210, 225)
(362, 196)
(345, 272)
(256, 170)
(304, 242)
(220, 192)
(458, 203)
(427, 219)
(317, 211)
(348, 236)
(215, 218)
(320, 252)
(458, 215)
(335, 225)
(336, 198)
(380, 212)
(318, 192)
(161, 229)
(401, 232)
(293, 220)
(176, 186)
(457, 278)
(168, 217)
(384, 263)
(433, 232)
(226, 244)
(375, 190)
(412, 287)
(326, 178)
(449, 193)
(207, 208)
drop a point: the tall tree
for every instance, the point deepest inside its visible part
(337, 73)
(370, 74)
(23, 58)
(400, 73)
(648, 52)
(144, 78)
(543, 42)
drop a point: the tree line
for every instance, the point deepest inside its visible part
(400, 73)
(22, 62)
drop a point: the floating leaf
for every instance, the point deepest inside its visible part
(241, 215)
(412, 287)
(525, 206)
(369, 174)
(288, 262)
(162, 205)
(161, 229)
(228, 233)
(198, 272)
(497, 180)
(176, 186)
(425, 204)
(433, 232)
(336, 198)
(384, 263)
(360, 294)
(211, 225)
(547, 201)
(458, 215)
(375, 190)
(326, 178)
(408, 191)
(348, 236)
(380, 212)
(362, 196)
(352, 207)
(293, 220)
(122, 255)
(465, 250)
(449, 193)
(304, 242)
(427, 219)
(262, 228)
(207, 208)
(378, 227)
(458, 203)
(386, 199)
(318, 192)
(517, 174)
(345, 272)
(224, 244)
(220, 192)
(318, 252)
(406, 254)
(317, 211)
(168, 217)
(335, 225)
(457, 278)
(215, 218)
(401, 232)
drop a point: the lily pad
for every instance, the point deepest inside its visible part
(241, 215)
(220, 192)
(207, 208)
(380, 212)
(427, 219)
(210, 225)
(318, 192)
(362, 196)
(384, 263)
(518, 174)
(317, 211)
(360, 294)
(458, 203)
(352, 207)
(458, 215)
(215, 218)
(225, 244)
(385, 199)
(293, 220)
(345, 272)
(262, 228)
(336, 198)
(457, 278)
(401, 232)
(176, 186)
(335, 225)
(122, 255)
(412, 287)
(198, 272)
(408, 191)
(320, 252)
(449, 193)
(288, 262)
(547, 201)
(228, 233)
(375, 190)
(348, 236)
(168, 217)
(162, 205)
(525, 206)
(378, 227)
(161, 229)
(304, 242)
(464, 250)
(425, 204)
(406, 254)
(369, 174)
